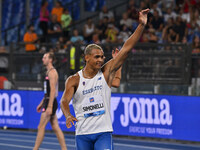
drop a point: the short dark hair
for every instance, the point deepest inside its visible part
(29, 26)
(59, 2)
(65, 9)
(43, 2)
(51, 56)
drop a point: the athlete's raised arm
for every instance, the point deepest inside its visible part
(114, 64)
(132, 40)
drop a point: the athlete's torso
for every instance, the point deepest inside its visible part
(92, 105)
(47, 87)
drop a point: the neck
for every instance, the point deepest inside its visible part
(88, 72)
(49, 66)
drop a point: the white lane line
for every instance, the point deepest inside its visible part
(31, 136)
(31, 141)
(146, 147)
(32, 132)
(117, 144)
(19, 146)
(158, 142)
(121, 139)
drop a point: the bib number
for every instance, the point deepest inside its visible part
(93, 106)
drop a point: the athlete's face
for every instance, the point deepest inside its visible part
(95, 59)
(46, 59)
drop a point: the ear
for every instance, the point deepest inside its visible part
(86, 58)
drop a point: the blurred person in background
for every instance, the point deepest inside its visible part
(195, 20)
(157, 21)
(156, 8)
(89, 30)
(76, 38)
(126, 21)
(196, 44)
(143, 5)
(173, 36)
(106, 13)
(144, 38)
(165, 4)
(180, 28)
(3, 60)
(61, 46)
(111, 33)
(66, 21)
(132, 12)
(55, 29)
(44, 19)
(187, 4)
(101, 28)
(184, 41)
(169, 14)
(30, 38)
(57, 10)
(124, 34)
(48, 104)
(152, 38)
(185, 16)
(169, 24)
(95, 39)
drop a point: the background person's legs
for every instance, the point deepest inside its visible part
(58, 132)
(44, 119)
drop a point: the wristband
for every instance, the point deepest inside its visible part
(68, 117)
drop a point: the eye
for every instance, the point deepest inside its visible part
(99, 56)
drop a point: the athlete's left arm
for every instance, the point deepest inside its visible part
(53, 79)
(117, 79)
(39, 107)
(114, 64)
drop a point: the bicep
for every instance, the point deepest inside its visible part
(67, 95)
(108, 72)
(68, 92)
(118, 60)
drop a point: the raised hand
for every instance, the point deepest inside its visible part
(143, 16)
(115, 52)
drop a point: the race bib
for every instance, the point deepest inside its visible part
(93, 106)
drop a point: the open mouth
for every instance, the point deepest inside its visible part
(99, 64)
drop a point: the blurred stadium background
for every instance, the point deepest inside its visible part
(163, 69)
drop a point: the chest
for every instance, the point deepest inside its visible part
(90, 86)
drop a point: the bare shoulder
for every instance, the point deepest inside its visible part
(73, 80)
(53, 73)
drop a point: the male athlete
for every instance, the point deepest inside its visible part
(49, 104)
(91, 92)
